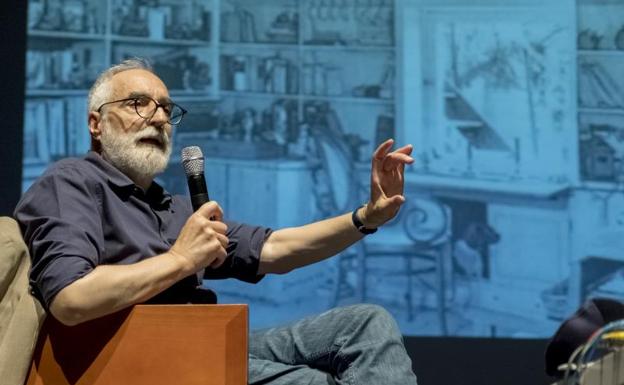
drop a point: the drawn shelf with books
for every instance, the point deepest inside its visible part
(71, 42)
(266, 72)
(159, 41)
(348, 48)
(257, 46)
(601, 53)
(599, 82)
(600, 57)
(186, 96)
(308, 74)
(63, 64)
(337, 99)
(186, 68)
(330, 63)
(65, 35)
(601, 111)
(256, 95)
(55, 127)
(56, 92)
(350, 99)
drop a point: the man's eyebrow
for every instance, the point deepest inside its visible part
(138, 94)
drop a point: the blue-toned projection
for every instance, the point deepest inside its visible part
(515, 205)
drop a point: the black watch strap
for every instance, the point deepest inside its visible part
(359, 225)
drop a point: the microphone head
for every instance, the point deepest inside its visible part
(192, 160)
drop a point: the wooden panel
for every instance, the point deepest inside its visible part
(147, 345)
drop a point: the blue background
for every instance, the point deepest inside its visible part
(515, 207)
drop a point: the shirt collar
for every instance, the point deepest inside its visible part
(158, 195)
(124, 186)
(114, 176)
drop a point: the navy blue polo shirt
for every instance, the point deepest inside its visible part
(82, 213)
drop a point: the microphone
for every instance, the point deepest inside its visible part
(193, 162)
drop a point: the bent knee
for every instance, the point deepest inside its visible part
(375, 316)
(371, 310)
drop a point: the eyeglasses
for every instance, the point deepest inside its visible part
(146, 108)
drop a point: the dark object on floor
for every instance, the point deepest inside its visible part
(577, 329)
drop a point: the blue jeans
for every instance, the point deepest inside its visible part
(354, 345)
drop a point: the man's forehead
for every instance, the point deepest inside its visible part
(138, 81)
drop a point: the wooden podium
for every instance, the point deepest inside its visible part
(146, 345)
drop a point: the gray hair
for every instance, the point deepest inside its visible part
(99, 92)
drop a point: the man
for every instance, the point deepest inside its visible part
(103, 236)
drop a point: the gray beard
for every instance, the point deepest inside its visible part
(139, 161)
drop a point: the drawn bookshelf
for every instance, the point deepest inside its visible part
(71, 42)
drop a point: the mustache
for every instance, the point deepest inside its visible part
(154, 134)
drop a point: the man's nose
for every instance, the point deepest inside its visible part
(159, 117)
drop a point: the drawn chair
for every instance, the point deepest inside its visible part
(419, 237)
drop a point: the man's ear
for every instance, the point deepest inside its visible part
(94, 119)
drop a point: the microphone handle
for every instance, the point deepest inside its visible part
(198, 190)
(199, 196)
(198, 200)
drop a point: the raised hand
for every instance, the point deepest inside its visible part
(386, 185)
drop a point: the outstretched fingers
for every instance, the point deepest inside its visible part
(407, 149)
(383, 149)
(378, 158)
(397, 159)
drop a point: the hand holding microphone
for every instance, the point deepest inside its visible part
(203, 239)
(202, 242)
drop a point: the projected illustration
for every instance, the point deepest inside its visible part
(515, 206)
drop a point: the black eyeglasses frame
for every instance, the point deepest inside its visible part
(135, 99)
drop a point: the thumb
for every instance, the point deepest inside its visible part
(211, 210)
(391, 204)
(396, 200)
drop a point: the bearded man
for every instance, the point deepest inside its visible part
(104, 236)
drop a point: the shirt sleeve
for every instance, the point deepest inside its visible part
(61, 224)
(244, 251)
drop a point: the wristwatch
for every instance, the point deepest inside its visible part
(359, 225)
